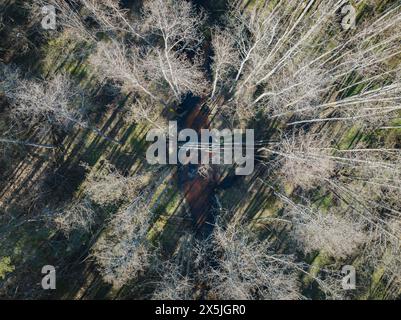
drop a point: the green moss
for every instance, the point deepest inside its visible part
(326, 202)
(320, 260)
(348, 138)
(5, 267)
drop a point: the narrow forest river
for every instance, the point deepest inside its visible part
(198, 190)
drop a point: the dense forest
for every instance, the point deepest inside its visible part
(83, 81)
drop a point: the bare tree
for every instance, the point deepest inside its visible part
(125, 66)
(109, 186)
(309, 160)
(111, 17)
(225, 57)
(45, 103)
(304, 159)
(244, 268)
(372, 107)
(173, 284)
(176, 23)
(338, 235)
(272, 64)
(288, 66)
(76, 215)
(146, 66)
(124, 251)
(144, 111)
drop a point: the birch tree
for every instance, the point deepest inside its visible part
(127, 67)
(174, 285)
(246, 270)
(43, 103)
(124, 251)
(225, 58)
(78, 215)
(109, 186)
(304, 159)
(339, 236)
(177, 24)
